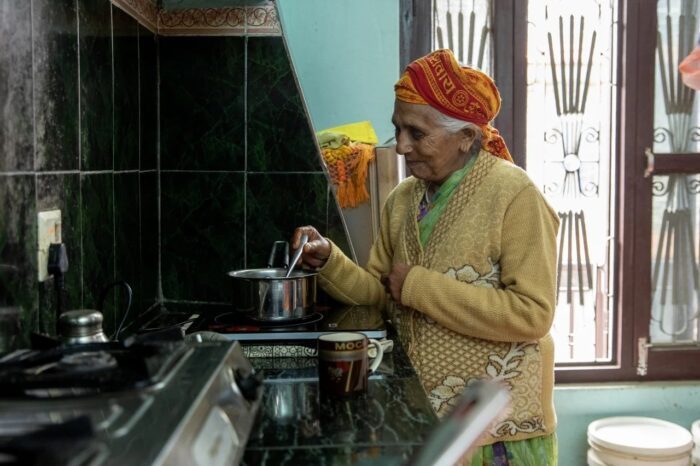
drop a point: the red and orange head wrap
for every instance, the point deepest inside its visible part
(463, 93)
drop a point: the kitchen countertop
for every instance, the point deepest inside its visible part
(296, 426)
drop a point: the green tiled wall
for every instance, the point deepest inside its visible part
(173, 160)
(77, 133)
(239, 165)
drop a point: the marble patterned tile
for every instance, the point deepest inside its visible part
(127, 244)
(276, 204)
(149, 240)
(54, 26)
(279, 133)
(393, 413)
(126, 90)
(16, 125)
(370, 455)
(62, 192)
(148, 100)
(96, 105)
(97, 215)
(17, 248)
(202, 234)
(201, 98)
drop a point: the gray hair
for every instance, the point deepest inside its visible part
(453, 125)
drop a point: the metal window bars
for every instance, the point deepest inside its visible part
(571, 68)
(469, 50)
(675, 274)
(571, 78)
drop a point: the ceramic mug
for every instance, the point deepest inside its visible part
(343, 363)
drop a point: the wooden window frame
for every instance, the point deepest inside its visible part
(635, 95)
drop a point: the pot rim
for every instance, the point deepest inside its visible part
(240, 274)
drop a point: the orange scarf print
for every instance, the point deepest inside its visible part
(464, 93)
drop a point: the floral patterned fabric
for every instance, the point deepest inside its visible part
(538, 451)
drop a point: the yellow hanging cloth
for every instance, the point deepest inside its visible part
(347, 162)
(362, 131)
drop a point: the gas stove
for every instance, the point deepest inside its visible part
(135, 403)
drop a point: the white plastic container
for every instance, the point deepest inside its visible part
(695, 430)
(640, 441)
(593, 459)
(613, 458)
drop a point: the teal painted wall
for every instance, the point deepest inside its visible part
(346, 55)
(577, 406)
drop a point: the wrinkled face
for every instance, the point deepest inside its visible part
(432, 153)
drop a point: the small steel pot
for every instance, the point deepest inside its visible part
(267, 295)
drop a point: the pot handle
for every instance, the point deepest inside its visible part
(273, 255)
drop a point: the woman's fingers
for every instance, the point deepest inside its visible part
(310, 231)
(393, 282)
(316, 250)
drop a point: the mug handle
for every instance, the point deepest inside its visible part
(380, 354)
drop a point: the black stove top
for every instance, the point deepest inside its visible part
(143, 401)
(238, 326)
(87, 369)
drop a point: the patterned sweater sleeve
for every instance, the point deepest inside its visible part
(521, 311)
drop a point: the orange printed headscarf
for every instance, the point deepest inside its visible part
(464, 93)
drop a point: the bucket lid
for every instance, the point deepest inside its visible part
(640, 435)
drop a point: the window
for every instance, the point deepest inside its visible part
(589, 97)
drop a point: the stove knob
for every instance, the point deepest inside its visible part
(248, 384)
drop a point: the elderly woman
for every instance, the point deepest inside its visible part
(465, 259)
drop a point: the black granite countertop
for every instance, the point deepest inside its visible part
(297, 426)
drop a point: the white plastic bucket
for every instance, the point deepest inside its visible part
(593, 459)
(613, 458)
(640, 441)
(695, 430)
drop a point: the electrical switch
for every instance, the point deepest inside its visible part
(49, 231)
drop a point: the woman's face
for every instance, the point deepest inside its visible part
(432, 153)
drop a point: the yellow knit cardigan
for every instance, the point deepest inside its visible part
(479, 300)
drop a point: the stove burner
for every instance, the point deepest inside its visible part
(88, 369)
(238, 319)
(88, 361)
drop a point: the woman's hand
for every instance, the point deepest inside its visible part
(316, 250)
(393, 283)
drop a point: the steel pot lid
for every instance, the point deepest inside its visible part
(270, 274)
(80, 322)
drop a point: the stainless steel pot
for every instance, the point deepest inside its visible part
(267, 295)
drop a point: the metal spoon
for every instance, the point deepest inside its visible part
(297, 254)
